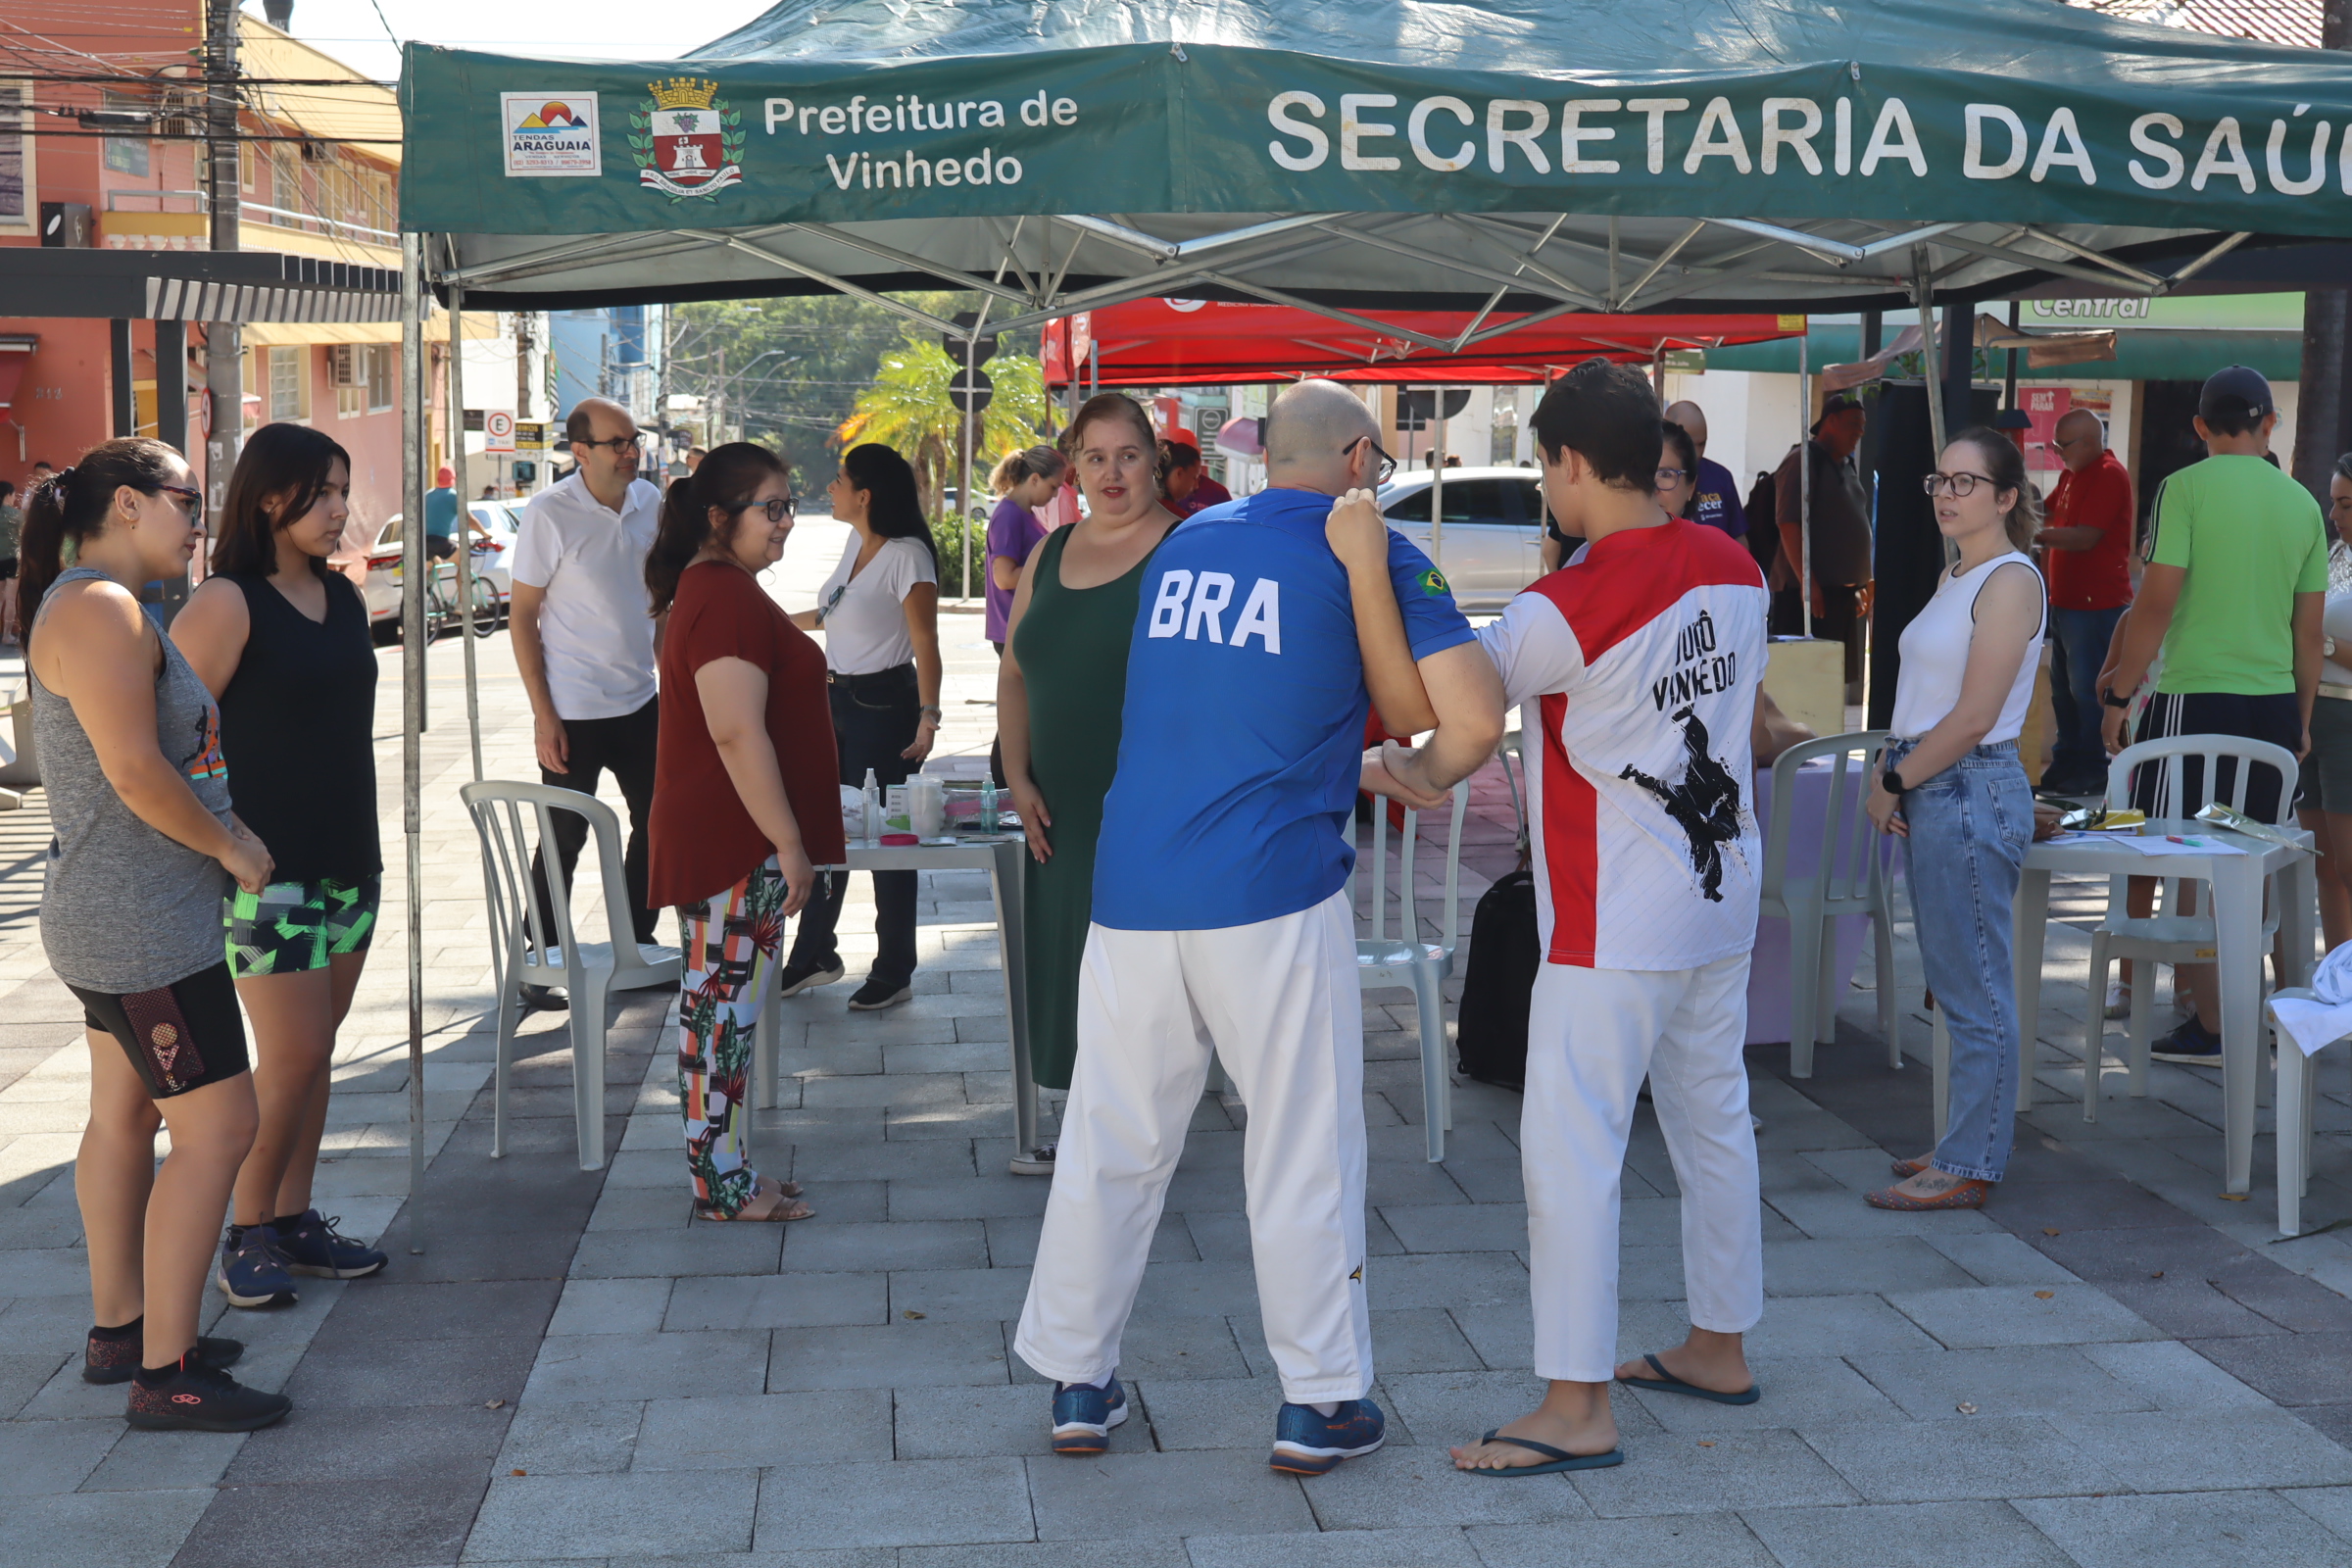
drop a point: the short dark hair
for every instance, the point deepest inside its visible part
(577, 427)
(2343, 467)
(291, 463)
(1608, 415)
(1686, 451)
(1180, 454)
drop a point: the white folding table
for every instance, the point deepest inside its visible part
(2236, 882)
(1001, 857)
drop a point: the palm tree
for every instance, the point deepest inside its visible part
(909, 408)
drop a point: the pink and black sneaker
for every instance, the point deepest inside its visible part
(196, 1398)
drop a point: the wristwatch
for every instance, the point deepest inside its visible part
(2113, 701)
(1894, 781)
(933, 711)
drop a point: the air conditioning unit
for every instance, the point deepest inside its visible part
(347, 365)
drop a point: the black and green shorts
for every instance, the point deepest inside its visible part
(289, 927)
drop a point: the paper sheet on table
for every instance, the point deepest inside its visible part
(2315, 1025)
(2199, 844)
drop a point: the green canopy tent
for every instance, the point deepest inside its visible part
(1531, 156)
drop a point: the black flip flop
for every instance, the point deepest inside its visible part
(1561, 1460)
(1667, 1383)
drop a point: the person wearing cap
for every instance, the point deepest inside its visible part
(441, 510)
(2233, 594)
(2086, 540)
(1715, 497)
(1838, 522)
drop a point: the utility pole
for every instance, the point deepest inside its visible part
(2324, 417)
(522, 364)
(225, 341)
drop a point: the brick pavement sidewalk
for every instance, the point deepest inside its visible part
(2111, 1364)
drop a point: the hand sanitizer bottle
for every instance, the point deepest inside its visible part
(987, 807)
(873, 808)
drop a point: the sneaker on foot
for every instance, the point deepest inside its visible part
(1309, 1443)
(543, 998)
(253, 1271)
(203, 1399)
(315, 1246)
(1083, 1416)
(114, 1360)
(2189, 1042)
(796, 978)
(877, 994)
(1039, 1161)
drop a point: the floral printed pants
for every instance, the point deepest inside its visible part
(730, 945)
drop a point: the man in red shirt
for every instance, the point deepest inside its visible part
(1189, 489)
(2086, 540)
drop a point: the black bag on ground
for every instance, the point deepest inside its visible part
(1491, 1038)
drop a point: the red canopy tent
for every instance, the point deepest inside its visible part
(1172, 342)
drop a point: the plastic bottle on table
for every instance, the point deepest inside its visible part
(987, 807)
(873, 808)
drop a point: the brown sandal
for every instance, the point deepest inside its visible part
(780, 1212)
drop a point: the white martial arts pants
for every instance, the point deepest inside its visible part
(1278, 1001)
(1591, 1034)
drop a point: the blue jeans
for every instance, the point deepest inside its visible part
(1969, 825)
(2078, 648)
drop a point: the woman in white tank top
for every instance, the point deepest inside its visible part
(1955, 792)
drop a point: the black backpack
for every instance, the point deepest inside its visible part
(1490, 1039)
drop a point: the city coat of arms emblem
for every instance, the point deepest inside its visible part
(686, 139)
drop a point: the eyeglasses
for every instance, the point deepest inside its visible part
(2071, 440)
(1959, 486)
(1668, 478)
(192, 495)
(1387, 464)
(777, 509)
(616, 445)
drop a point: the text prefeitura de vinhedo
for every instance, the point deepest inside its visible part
(909, 114)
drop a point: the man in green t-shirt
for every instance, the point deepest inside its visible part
(2236, 583)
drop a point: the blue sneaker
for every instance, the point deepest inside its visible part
(315, 1247)
(253, 1271)
(1310, 1445)
(2187, 1044)
(1083, 1416)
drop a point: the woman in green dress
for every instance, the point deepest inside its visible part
(1059, 696)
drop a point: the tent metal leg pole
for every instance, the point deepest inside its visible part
(1437, 487)
(1804, 479)
(412, 666)
(464, 533)
(1931, 362)
(963, 483)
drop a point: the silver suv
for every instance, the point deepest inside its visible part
(1494, 530)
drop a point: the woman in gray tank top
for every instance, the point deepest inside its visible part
(145, 847)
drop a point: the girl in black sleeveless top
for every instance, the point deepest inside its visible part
(283, 644)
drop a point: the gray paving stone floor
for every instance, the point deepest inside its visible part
(2110, 1365)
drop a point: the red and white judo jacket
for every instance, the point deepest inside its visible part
(1637, 667)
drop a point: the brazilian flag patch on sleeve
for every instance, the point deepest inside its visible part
(1434, 584)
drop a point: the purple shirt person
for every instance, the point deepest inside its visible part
(1026, 480)
(1715, 499)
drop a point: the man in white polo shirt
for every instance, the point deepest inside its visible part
(584, 638)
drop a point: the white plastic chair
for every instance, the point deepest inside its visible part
(2297, 1091)
(2166, 938)
(523, 954)
(1405, 960)
(1851, 879)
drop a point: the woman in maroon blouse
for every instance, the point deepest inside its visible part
(744, 799)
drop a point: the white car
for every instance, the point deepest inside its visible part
(1490, 544)
(381, 590)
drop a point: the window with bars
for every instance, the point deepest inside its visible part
(289, 390)
(383, 378)
(17, 182)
